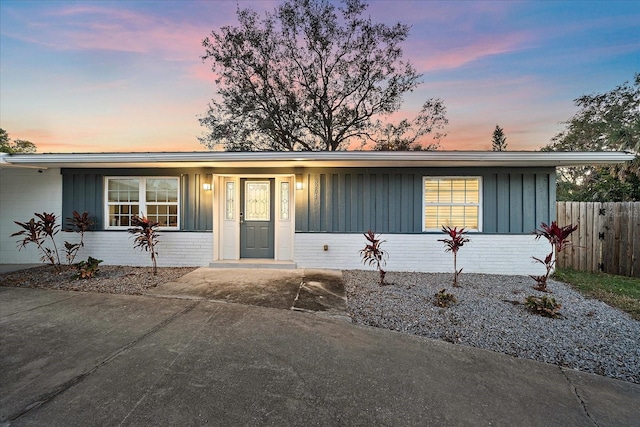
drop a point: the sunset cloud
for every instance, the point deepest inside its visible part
(127, 76)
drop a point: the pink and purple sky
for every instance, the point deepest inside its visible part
(89, 76)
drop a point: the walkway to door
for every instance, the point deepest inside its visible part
(320, 291)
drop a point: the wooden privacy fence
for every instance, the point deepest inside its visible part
(607, 238)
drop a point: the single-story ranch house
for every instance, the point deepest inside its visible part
(302, 209)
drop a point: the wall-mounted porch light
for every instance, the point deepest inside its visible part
(206, 186)
(299, 185)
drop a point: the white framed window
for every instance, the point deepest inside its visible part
(155, 197)
(452, 201)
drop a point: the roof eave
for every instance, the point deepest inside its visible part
(318, 159)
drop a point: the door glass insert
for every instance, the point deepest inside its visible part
(284, 201)
(256, 201)
(230, 201)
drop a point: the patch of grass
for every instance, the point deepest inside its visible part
(617, 291)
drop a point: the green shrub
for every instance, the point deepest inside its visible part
(545, 306)
(444, 299)
(87, 269)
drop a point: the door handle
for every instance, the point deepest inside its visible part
(241, 218)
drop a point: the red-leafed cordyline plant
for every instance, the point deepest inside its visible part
(146, 237)
(80, 224)
(372, 254)
(557, 238)
(456, 241)
(37, 232)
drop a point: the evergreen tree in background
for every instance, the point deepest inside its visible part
(499, 141)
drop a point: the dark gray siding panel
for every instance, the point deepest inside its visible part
(83, 190)
(196, 207)
(489, 203)
(82, 193)
(515, 202)
(389, 200)
(529, 202)
(502, 196)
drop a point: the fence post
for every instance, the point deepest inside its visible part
(635, 257)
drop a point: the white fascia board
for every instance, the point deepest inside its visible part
(319, 159)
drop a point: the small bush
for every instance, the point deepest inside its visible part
(456, 241)
(38, 232)
(88, 269)
(558, 239)
(372, 254)
(545, 306)
(444, 299)
(146, 237)
(45, 229)
(80, 224)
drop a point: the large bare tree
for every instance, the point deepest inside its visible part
(308, 76)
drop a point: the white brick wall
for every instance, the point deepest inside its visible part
(496, 254)
(23, 192)
(176, 249)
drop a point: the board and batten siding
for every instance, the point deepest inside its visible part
(387, 200)
(83, 190)
(345, 200)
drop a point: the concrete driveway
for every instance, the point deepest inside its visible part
(310, 290)
(70, 358)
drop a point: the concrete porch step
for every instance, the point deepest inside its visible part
(253, 263)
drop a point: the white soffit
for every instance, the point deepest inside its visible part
(316, 159)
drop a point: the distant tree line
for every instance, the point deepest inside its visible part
(604, 122)
(15, 146)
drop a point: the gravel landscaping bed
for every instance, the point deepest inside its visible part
(112, 279)
(490, 313)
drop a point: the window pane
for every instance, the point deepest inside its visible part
(471, 217)
(444, 191)
(431, 191)
(473, 191)
(162, 190)
(444, 216)
(458, 191)
(122, 190)
(113, 196)
(172, 190)
(431, 217)
(457, 216)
